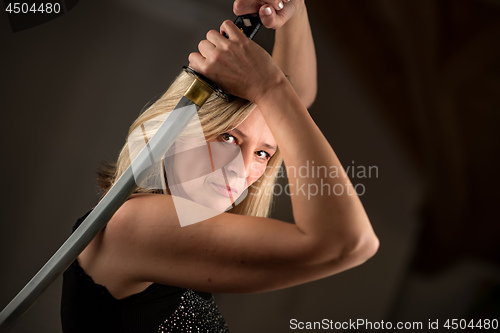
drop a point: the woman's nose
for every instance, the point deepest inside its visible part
(238, 166)
(252, 168)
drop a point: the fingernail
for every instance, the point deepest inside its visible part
(268, 11)
(280, 5)
(286, 0)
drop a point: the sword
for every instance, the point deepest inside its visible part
(194, 98)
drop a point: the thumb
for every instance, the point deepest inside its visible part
(268, 17)
(273, 19)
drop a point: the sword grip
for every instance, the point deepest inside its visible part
(249, 24)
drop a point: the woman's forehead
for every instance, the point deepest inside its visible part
(256, 128)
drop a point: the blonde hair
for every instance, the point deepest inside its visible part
(217, 116)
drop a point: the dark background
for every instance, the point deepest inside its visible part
(411, 87)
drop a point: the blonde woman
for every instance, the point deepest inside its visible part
(146, 273)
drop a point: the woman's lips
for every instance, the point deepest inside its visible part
(225, 190)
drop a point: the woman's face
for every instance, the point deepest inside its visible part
(217, 174)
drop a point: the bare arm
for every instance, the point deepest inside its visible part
(293, 48)
(234, 253)
(294, 52)
(332, 231)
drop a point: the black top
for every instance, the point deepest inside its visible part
(89, 307)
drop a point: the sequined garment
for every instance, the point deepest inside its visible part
(194, 315)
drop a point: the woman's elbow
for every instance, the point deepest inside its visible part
(362, 248)
(307, 92)
(349, 251)
(309, 97)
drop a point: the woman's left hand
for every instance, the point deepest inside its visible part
(273, 14)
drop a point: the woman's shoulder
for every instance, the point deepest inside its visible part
(149, 204)
(108, 257)
(154, 210)
(140, 211)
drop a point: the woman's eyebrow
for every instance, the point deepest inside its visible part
(240, 133)
(244, 136)
(270, 147)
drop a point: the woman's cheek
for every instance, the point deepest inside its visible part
(256, 170)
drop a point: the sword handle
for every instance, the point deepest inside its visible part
(249, 24)
(109, 204)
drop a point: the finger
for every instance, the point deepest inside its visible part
(231, 30)
(243, 7)
(276, 19)
(268, 16)
(205, 47)
(196, 61)
(214, 37)
(278, 5)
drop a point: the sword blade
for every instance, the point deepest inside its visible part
(175, 123)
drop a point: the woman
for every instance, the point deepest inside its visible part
(146, 273)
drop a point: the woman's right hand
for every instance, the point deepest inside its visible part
(236, 64)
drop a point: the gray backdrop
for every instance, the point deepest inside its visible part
(410, 88)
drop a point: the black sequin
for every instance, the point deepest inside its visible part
(194, 315)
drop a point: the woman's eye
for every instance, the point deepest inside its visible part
(263, 155)
(226, 137)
